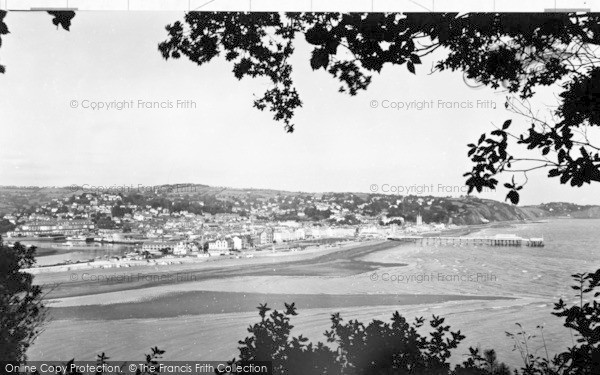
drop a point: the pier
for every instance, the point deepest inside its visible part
(499, 240)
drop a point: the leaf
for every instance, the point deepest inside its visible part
(415, 59)
(3, 28)
(513, 196)
(411, 67)
(506, 124)
(331, 46)
(62, 18)
(319, 59)
(316, 36)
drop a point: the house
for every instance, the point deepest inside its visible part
(264, 237)
(180, 249)
(218, 247)
(237, 243)
(300, 234)
(246, 242)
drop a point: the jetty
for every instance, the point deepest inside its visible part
(498, 240)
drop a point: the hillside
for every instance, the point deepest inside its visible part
(343, 208)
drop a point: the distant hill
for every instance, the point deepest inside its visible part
(13, 198)
(564, 209)
(306, 206)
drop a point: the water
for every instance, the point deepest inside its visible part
(571, 246)
(536, 277)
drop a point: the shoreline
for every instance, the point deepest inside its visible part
(123, 262)
(177, 260)
(173, 260)
(342, 261)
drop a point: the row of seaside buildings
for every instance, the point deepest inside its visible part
(181, 237)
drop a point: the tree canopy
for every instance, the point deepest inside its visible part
(21, 307)
(514, 52)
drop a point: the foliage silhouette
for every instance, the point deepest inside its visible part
(22, 311)
(517, 52)
(354, 348)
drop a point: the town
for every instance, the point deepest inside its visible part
(172, 223)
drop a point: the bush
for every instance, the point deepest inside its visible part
(353, 348)
(21, 309)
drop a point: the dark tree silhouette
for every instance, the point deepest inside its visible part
(584, 319)
(518, 52)
(21, 309)
(398, 347)
(3, 31)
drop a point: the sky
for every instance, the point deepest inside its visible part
(341, 143)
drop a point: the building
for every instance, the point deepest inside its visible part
(158, 246)
(54, 227)
(264, 237)
(246, 242)
(183, 248)
(300, 234)
(237, 243)
(218, 247)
